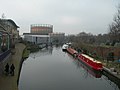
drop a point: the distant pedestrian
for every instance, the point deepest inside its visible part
(7, 69)
(12, 68)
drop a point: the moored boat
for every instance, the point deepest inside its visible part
(95, 73)
(64, 47)
(94, 64)
(89, 61)
(72, 52)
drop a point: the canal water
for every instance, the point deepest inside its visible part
(53, 69)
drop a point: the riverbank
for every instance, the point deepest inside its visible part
(111, 68)
(10, 82)
(111, 72)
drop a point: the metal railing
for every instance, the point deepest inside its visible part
(4, 55)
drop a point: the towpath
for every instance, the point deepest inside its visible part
(10, 82)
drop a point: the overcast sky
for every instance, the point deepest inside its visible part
(68, 16)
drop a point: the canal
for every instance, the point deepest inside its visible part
(53, 69)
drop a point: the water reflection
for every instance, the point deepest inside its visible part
(58, 71)
(115, 85)
(113, 81)
(79, 64)
(97, 74)
(42, 52)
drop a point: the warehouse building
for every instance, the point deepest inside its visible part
(43, 34)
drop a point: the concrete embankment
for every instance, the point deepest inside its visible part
(10, 82)
(112, 72)
(113, 76)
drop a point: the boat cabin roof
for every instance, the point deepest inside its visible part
(92, 59)
(73, 50)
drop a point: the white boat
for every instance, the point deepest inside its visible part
(64, 47)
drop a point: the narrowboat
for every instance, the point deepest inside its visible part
(95, 73)
(94, 64)
(72, 52)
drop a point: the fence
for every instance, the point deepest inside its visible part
(4, 55)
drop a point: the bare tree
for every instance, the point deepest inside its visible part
(114, 28)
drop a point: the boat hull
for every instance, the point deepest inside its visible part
(93, 64)
(64, 50)
(93, 72)
(64, 47)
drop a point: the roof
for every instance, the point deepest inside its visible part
(90, 58)
(38, 35)
(13, 22)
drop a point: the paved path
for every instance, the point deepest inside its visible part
(10, 82)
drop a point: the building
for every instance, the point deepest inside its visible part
(37, 39)
(8, 36)
(43, 34)
(11, 28)
(57, 38)
(39, 34)
(41, 29)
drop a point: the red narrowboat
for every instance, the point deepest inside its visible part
(94, 64)
(96, 74)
